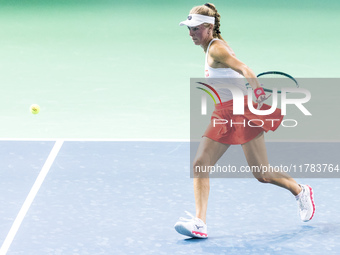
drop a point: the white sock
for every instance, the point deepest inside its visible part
(297, 197)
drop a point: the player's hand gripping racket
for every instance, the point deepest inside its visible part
(271, 80)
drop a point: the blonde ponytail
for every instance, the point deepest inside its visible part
(209, 9)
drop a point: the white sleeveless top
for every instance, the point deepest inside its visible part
(229, 75)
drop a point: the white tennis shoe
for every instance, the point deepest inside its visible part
(306, 203)
(193, 227)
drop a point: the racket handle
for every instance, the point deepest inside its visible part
(258, 92)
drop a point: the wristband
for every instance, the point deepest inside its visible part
(258, 92)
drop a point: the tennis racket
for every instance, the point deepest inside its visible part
(275, 79)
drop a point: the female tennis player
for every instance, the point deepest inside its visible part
(203, 23)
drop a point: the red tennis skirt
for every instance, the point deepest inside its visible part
(227, 128)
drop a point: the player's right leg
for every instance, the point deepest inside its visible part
(256, 155)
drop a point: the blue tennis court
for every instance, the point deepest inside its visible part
(106, 197)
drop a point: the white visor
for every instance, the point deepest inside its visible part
(194, 20)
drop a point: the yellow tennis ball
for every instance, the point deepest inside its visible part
(35, 109)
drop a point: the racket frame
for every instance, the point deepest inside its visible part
(275, 72)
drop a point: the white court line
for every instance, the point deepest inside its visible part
(151, 140)
(31, 195)
(93, 140)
